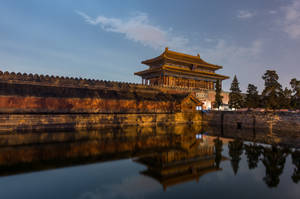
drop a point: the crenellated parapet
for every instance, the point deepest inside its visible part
(46, 80)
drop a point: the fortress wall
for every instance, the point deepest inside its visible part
(31, 104)
(31, 98)
(37, 102)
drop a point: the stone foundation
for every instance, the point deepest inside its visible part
(10, 123)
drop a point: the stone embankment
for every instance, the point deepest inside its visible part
(10, 123)
(267, 127)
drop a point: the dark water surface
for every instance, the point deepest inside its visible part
(165, 162)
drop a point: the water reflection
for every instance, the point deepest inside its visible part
(296, 162)
(274, 160)
(170, 156)
(235, 152)
(196, 158)
(253, 152)
(218, 151)
(53, 150)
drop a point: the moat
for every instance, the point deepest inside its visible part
(179, 161)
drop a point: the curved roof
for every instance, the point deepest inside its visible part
(182, 71)
(181, 57)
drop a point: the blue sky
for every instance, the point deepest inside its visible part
(108, 39)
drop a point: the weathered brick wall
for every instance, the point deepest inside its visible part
(280, 121)
(26, 98)
(31, 104)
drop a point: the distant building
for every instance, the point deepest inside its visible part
(183, 72)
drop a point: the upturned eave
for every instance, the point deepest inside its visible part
(181, 58)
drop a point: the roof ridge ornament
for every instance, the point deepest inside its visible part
(167, 48)
(198, 55)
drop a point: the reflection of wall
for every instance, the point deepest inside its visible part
(38, 151)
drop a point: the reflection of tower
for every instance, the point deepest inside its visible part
(178, 166)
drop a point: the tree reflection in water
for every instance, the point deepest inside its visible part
(235, 152)
(296, 162)
(218, 151)
(274, 160)
(253, 152)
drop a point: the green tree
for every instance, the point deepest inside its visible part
(235, 96)
(286, 96)
(272, 93)
(295, 99)
(252, 97)
(218, 97)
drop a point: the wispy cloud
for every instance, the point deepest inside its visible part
(244, 14)
(138, 29)
(291, 22)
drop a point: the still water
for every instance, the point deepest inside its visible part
(158, 162)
